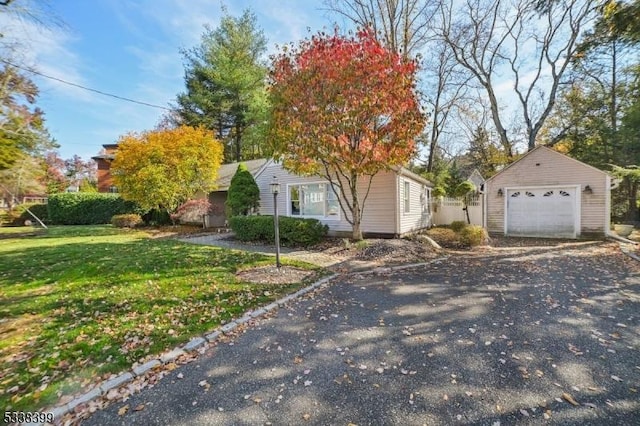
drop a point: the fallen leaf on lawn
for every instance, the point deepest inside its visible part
(123, 410)
(567, 397)
(139, 407)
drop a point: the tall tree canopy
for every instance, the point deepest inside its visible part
(344, 108)
(22, 130)
(225, 81)
(165, 168)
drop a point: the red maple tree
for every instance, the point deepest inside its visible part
(344, 108)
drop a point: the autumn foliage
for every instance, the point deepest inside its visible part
(344, 108)
(165, 168)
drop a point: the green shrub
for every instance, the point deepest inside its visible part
(39, 210)
(293, 231)
(458, 225)
(130, 220)
(446, 237)
(473, 235)
(243, 196)
(86, 208)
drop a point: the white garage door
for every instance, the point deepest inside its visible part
(542, 212)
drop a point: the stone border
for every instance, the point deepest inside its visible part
(628, 252)
(168, 357)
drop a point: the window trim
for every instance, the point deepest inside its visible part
(328, 184)
(406, 196)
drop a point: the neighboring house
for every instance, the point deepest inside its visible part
(548, 194)
(476, 178)
(398, 202)
(103, 161)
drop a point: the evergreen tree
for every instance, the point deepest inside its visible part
(225, 82)
(244, 195)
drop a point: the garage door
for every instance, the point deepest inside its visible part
(542, 212)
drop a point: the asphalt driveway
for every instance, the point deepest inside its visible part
(507, 336)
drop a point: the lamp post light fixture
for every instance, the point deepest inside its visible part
(275, 190)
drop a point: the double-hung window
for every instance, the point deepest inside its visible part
(317, 200)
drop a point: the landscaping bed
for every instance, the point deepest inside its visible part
(79, 303)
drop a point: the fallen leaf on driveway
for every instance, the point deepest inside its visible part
(616, 378)
(567, 397)
(139, 407)
(123, 410)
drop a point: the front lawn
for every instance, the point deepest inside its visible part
(78, 303)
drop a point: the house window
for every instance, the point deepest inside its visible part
(407, 197)
(113, 189)
(317, 200)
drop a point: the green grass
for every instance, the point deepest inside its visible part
(78, 303)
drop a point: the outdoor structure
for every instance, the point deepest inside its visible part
(548, 194)
(398, 202)
(103, 161)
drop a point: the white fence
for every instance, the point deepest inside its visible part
(449, 209)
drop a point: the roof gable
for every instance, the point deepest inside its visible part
(226, 171)
(543, 150)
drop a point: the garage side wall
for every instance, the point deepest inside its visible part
(544, 167)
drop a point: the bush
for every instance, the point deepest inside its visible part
(86, 208)
(458, 225)
(157, 217)
(293, 231)
(243, 196)
(39, 210)
(446, 237)
(192, 211)
(126, 220)
(473, 235)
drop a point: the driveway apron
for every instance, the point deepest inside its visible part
(493, 338)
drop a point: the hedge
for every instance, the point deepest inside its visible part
(87, 208)
(39, 210)
(293, 231)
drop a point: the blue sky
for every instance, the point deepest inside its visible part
(131, 48)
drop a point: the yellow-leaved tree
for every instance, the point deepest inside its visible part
(165, 168)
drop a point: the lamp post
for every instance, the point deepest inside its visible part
(275, 189)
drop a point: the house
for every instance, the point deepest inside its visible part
(398, 202)
(476, 178)
(547, 194)
(103, 161)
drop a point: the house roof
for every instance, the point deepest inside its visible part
(226, 171)
(103, 157)
(408, 173)
(542, 147)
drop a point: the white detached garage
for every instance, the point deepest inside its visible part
(548, 194)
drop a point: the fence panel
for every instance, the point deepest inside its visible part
(449, 209)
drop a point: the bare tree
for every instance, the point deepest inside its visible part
(531, 47)
(402, 24)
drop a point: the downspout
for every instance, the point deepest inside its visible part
(607, 207)
(397, 209)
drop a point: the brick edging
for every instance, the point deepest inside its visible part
(167, 357)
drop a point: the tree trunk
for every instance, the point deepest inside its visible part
(632, 197)
(357, 211)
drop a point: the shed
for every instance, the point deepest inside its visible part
(548, 194)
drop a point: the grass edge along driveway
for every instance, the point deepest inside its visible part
(79, 303)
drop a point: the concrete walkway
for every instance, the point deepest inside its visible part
(313, 257)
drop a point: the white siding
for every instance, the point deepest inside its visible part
(418, 216)
(379, 211)
(545, 167)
